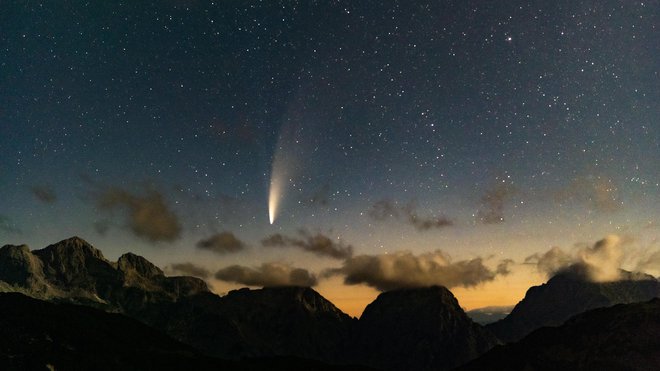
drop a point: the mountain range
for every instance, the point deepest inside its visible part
(418, 328)
(567, 294)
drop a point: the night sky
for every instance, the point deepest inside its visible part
(404, 142)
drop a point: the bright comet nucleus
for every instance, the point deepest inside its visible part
(273, 199)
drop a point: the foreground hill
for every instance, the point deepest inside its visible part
(622, 337)
(39, 335)
(275, 321)
(419, 329)
(568, 294)
(36, 333)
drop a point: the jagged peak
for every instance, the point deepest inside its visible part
(136, 263)
(422, 292)
(11, 248)
(73, 245)
(306, 296)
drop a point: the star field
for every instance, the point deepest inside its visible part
(484, 130)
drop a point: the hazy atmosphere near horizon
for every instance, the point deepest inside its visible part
(351, 146)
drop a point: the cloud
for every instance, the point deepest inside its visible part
(188, 269)
(268, 274)
(404, 270)
(601, 193)
(551, 262)
(318, 244)
(491, 210)
(222, 243)
(504, 267)
(385, 209)
(320, 197)
(650, 264)
(44, 194)
(7, 226)
(598, 263)
(147, 215)
(603, 260)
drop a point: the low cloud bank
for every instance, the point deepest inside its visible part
(405, 270)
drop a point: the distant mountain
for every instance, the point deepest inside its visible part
(622, 337)
(568, 294)
(488, 315)
(419, 329)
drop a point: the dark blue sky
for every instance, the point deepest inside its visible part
(526, 124)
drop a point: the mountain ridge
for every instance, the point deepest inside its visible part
(570, 294)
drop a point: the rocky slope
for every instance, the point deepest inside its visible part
(622, 337)
(418, 329)
(566, 295)
(74, 271)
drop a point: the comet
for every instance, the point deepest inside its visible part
(280, 171)
(273, 198)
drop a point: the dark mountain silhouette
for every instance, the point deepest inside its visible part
(37, 333)
(568, 294)
(622, 337)
(291, 321)
(419, 329)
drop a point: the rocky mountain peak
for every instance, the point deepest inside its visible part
(71, 249)
(567, 294)
(19, 267)
(132, 263)
(401, 328)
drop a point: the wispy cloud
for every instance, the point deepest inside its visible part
(222, 243)
(7, 226)
(601, 193)
(386, 209)
(146, 214)
(493, 201)
(268, 274)
(188, 269)
(44, 194)
(317, 243)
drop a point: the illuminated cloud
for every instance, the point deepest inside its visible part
(650, 264)
(222, 243)
(385, 209)
(44, 194)
(404, 270)
(147, 215)
(188, 269)
(268, 274)
(551, 262)
(318, 244)
(491, 210)
(599, 263)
